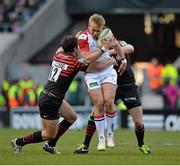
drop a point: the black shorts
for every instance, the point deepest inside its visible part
(129, 95)
(49, 106)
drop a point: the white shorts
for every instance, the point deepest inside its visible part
(95, 80)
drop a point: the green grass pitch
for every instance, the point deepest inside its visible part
(165, 148)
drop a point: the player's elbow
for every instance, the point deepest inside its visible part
(131, 48)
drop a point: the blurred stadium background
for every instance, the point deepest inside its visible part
(30, 33)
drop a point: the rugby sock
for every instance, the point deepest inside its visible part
(100, 125)
(140, 136)
(63, 126)
(33, 138)
(90, 130)
(110, 119)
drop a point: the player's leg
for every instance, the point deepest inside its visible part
(109, 91)
(109, 86)
(131, 99)
(93, 81)
(69, 115)
(48, 132)
(137, 116)
(98, 113)
(49, 119)
(90, 130)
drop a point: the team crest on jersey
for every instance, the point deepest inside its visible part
(83, 36)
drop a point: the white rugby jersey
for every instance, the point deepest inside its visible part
(87, 43)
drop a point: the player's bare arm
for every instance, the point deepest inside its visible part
(90, 57)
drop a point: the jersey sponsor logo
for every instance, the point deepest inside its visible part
(130, 99)
(83, 36)
(63, 66)
(45, 116)
(93, 84)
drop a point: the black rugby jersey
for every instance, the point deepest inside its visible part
(63, 69)
(128, 76)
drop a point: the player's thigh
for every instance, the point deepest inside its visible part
(137, 114)
(109, 91)
(67, 112)
(97, 96)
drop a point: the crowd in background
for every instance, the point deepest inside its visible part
(25, 92)
(162, 80)
(165, 80)
(15, 13)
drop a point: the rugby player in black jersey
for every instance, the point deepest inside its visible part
(64, 67)
(127, 92)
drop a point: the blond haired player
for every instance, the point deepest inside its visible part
(101, 85)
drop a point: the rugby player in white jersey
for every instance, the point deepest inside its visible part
(101, 85)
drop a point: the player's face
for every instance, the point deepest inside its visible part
(94, 30)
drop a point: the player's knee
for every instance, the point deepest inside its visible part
(139, 125)
(109, 103)
(73, 118)
(99, 104)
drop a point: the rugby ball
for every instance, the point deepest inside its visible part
(105, 34)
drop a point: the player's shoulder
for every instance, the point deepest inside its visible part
(83, 35)
(65, 58)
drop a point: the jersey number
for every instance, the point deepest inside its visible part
(55, 71)
(54, 74)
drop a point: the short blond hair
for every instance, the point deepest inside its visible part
(98, 19)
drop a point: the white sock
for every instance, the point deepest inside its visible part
(100, 126)
(110, 119)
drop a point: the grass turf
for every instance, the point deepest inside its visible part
(165, 148)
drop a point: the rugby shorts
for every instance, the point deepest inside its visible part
(95, 80)
(129, 95)
(49, 106)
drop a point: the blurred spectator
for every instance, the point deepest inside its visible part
(15, 13)
(38, 90)
(73, 93)
(5, 85)
(154, 71)
(13, 95)
(27, 96)
(2, 101)
(170, 95)
(169, 73)
(178, 85)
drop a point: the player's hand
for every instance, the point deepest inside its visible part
(122, 66)
(114, 42)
